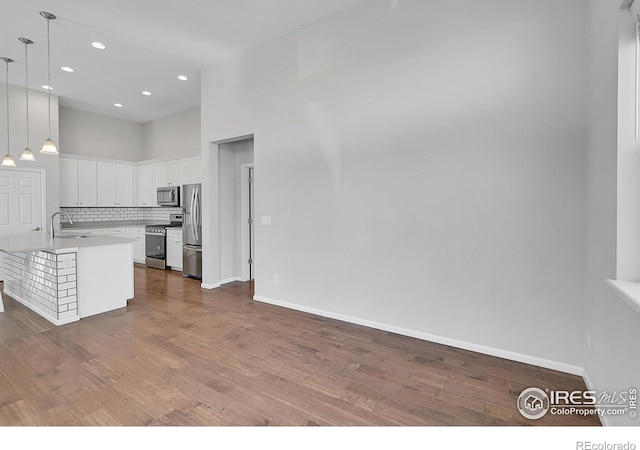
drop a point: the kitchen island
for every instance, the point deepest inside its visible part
(69, 277)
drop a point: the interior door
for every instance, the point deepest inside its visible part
(21, 204)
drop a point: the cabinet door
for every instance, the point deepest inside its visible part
(87, 183)
(94, 231)
(196, 170)
(174, 252)
(190, 170)
(145, 191)
(125, 181)
(173, 173)
(68, 182)
(121, 232)
(137, 233)
(159, 175)
(107, 185)
(185, 171)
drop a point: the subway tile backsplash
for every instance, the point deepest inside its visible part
(109, 214)
(44, 282)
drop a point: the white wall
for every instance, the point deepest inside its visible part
(231, 157)
(38, 132)
(176, 134)
(613, 361)
(424, 166)
(89, 134)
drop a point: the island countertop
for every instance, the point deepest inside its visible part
(30, 242)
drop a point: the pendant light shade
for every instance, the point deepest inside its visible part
(27, 154)
(7, 161)
(49, 147)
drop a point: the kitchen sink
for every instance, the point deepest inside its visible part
(75, 236)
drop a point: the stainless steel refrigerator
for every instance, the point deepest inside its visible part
(192, 230)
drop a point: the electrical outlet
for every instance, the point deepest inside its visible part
(588, 340)
(276, 279)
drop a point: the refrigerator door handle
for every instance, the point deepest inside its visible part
(196, 217)
(195, 248)
(193, 205)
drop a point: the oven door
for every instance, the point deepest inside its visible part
(155, 246)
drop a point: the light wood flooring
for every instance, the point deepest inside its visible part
(180, 355)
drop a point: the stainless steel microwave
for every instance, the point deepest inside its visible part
(169, 196)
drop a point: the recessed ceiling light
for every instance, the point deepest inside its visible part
(117, 105)
(67, 69)
(47, 87)
(98, 45)
(182, 77)
(146, 93)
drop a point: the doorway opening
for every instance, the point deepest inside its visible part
(236, 209)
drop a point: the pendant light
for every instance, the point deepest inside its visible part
(49, 147)
(27, 154)
(8, 160)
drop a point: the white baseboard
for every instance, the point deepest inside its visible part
(230, 280)
(56, 322)
(513, 356)
(220, 283)
(590, 386)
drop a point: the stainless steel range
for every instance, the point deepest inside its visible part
(156, 242)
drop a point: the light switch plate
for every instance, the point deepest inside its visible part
(265, 220)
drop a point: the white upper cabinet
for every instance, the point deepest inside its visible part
(159, 175)
(68, 182)
(166, 173)
(173, 173)
(125, 177)
(145, 188)
(78, 182)
(191, 170)
(118, 183)
(115, 184)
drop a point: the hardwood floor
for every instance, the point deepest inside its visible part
(180, 355)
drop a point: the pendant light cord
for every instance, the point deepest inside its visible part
(49, 74)
(7, 84)
(26, 87)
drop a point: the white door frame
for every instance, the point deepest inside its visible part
(244, 222)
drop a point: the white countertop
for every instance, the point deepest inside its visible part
(30, 242)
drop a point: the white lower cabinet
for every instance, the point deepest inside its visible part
(137, 233)
(93, 231)
(174, 248)
(121, 232)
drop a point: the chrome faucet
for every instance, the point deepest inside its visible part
(53, 215)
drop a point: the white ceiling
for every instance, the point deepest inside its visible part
(149, 42)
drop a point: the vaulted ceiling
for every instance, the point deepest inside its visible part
(148, 44)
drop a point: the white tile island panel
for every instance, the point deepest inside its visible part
(68, 278)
